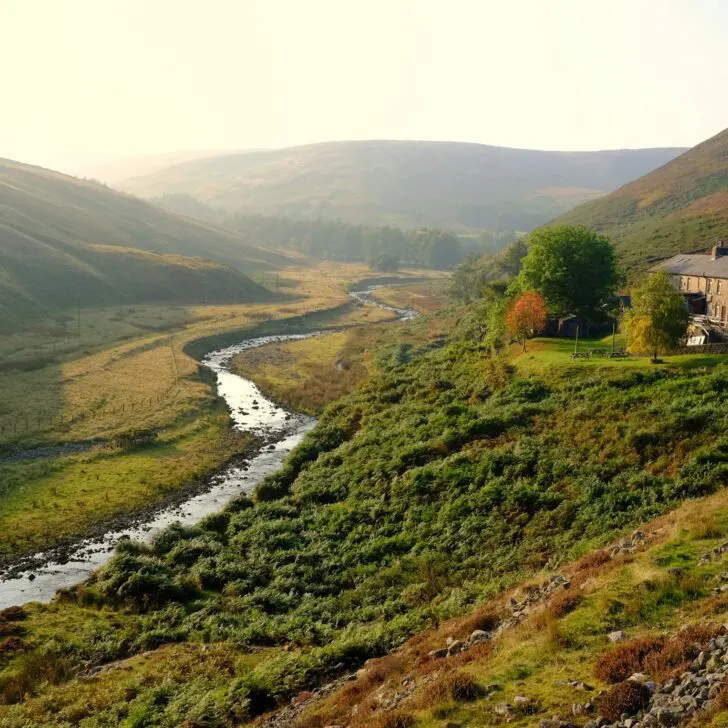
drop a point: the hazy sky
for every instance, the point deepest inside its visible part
(86, 80)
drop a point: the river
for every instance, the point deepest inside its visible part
(250, 411)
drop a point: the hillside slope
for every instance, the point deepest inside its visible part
(67, 242)
(404, 183)
(677, 208)
(444, 481)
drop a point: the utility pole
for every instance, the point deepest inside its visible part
(576, 340)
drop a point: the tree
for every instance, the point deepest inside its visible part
(572, 267)
(526, 317)
(385, 262)
(658, 318)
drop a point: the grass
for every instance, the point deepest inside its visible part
(307, 375)
(101, 383)
(423, 297)
(127, 356)
(554, 355)
(46, 500)
(536, 658)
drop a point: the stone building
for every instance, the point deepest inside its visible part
(703, 279)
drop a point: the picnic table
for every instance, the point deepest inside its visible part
(621, 354)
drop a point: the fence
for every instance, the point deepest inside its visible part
(719, 347)
(43, 422)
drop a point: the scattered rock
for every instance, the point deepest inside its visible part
(617, 636)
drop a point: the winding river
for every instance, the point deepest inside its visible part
(250, 411)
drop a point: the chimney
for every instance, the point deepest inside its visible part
(719, 249)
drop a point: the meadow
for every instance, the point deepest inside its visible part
(129, 370)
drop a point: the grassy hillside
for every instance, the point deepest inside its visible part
(402, 183)
(444, 481)
(66, 242)
(679, 207)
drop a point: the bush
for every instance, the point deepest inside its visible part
(392, 720)
(626, 659)
(565, 602)
(628, 697)
(593, 560)
(140, 581)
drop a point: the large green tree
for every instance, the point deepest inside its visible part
(658, 318)
(573, 268)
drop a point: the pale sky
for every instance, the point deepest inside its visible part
(94, 80)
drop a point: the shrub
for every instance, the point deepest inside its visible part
(140, 581)
(626, 659)
(10, 645)
(592, 560)
(13, 614)
(679, 650)
(392, 720)
(626, 697)
(565, 602)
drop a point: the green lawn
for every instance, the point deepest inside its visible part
(556, 353)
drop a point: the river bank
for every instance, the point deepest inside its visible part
(275, 429)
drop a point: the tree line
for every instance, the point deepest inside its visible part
(383, 245)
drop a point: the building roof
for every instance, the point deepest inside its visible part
(694, 264)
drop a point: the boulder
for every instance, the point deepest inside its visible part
(617, 636)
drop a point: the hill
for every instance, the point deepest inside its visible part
(442, 483)
(66, 242)
(404, 183)
(679, 207)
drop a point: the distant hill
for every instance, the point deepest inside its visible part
(116, 170)
(402, 183)
(66, 242)
(681, 206)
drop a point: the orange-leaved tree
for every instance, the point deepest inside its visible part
(526, 317)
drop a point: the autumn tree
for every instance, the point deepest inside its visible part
(658, 318)
(526, 317)
(572, 267)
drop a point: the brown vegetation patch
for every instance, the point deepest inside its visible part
(457, 687)
(592, 560)
(656, 656)
(626, 697)
(392, 720)
(565, 602)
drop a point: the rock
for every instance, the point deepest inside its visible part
(438, 654)
(478, 635)
(455, 647)
(520, 701)
(639, 677)
(617, 636)
(667, 717)
(651, 685)
(502, 709)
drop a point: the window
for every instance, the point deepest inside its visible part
(689, 281)
(710, 285)
(681, 283)
(717, 286)
(707, 309)
(722, 313)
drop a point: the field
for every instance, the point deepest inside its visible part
(128, 370)
(307, 375)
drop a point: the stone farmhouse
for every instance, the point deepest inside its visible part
(702, 278)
